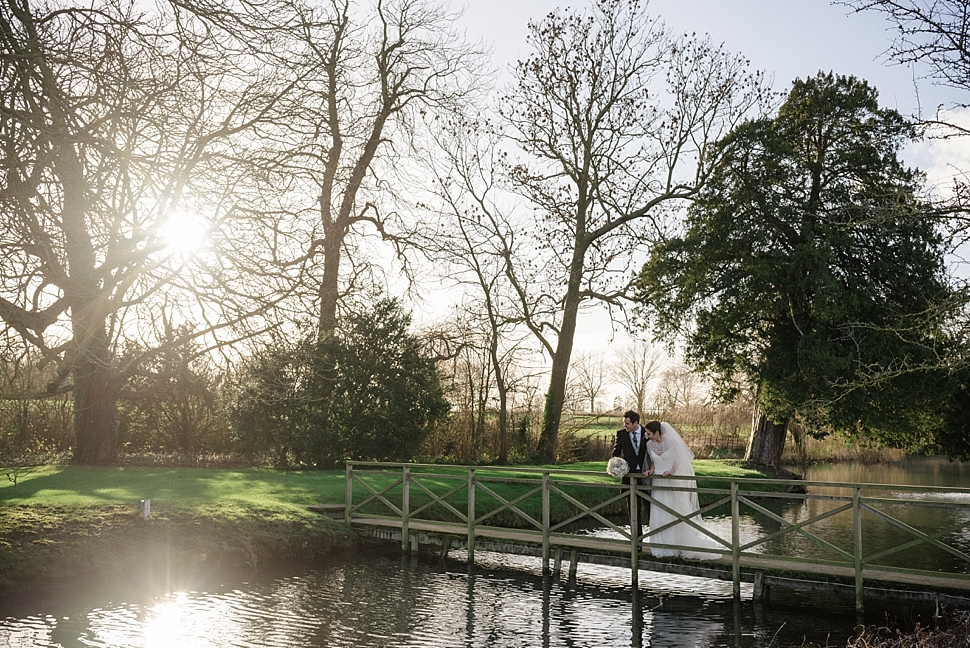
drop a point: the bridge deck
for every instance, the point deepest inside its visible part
(603, 546)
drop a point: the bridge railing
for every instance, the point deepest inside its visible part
(913, 535)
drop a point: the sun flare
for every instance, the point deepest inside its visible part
(165, 622)
(185, 232)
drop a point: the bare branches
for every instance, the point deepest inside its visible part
(635, 368)
(935, 33)
(110, 123)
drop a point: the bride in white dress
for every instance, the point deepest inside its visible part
(671, 456)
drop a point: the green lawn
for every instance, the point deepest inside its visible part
(237, 491)
(593, 427)
(228, 490)
(64, 522)
(234, 494)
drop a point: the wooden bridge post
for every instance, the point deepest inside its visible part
(857, 546)
(759, 586)
(349, 496)
(405, 508)
(735, 540)
(471, 515)
(545, 522)
(634, 538)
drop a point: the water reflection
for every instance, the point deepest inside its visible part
(914, 471)
(681, 630)
(382, 600)
(949, 524)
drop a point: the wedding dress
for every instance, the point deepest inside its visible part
(672, 455)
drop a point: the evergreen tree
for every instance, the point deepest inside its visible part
(382, 400)
(807, 265)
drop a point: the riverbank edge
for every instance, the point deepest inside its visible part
(45, 548)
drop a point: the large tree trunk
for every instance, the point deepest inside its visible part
(95, 404)
(556, 396)
(324, 452)
(329, 290)
(503, 404)
(767, 441)
(503, 426)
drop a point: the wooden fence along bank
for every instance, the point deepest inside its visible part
(834, 538)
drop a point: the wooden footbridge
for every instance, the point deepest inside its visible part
(873, 541)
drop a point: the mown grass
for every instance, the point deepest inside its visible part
(235, 491)
(62, 522)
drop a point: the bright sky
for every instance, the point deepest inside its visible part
(787, 39)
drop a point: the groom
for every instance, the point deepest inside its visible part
(631, 444)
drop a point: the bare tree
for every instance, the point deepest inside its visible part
(107, 117)
(613, 119)
(933, 36)
(330, 164)
(466, 377)
(366, 74)
(472, 245)
(588, 377)
(634, 369)
(934, 33)
(681, 389)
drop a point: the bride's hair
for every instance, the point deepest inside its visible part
(653, 426)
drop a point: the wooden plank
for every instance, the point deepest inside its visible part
(747, 563)
(335, 511)
(944, 579)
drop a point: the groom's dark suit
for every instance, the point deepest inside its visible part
(639, 460)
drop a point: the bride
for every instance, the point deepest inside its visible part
(671, 456)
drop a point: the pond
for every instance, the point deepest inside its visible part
(923, 515)
(377, 598)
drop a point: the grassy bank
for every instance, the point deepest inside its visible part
(61, 522)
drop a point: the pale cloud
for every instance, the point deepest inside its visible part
(944, 155)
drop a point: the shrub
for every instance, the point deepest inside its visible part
(370, 392)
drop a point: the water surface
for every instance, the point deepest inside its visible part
(374, 599)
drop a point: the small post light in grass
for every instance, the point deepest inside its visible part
(146, 509)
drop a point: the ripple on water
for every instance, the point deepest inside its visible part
(28, 631)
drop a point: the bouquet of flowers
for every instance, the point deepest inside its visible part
(617, 467)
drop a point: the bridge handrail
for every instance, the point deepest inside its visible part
(710, 478)
(737, 491)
